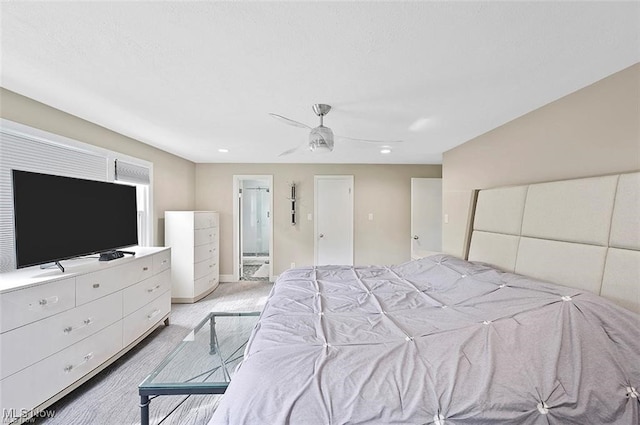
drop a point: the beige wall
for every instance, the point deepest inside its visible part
(173, 177)
(384, 190)
(593, 131)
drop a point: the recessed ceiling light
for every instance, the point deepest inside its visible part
(385, 150)
(222, 150)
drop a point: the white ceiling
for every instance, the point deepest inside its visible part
(191, 78)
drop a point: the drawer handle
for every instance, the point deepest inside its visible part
(85, 359)
(164, 262)
(96, 285)
(144, 269)
(153, 289)
(153, 314)
(45, 301)
(85, 322)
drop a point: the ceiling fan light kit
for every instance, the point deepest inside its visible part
(321, 139)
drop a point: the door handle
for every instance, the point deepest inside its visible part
(321, 235)
(415, 237)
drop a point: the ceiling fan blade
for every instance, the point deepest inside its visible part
(290, 151)
(352, 139)
(289, 121)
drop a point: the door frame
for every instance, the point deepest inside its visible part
(237, 242)
(316, 178)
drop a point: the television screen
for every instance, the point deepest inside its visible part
(58, 218)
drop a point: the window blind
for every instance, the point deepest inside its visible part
(131, 173)
(21, 152)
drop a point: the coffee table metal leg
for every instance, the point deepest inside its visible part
(212, 336)
(144, 410)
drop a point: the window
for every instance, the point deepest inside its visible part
(135, 172)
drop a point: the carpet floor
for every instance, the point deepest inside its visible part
(111, 397)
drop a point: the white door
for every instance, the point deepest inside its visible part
(334, 220)
(426, 216)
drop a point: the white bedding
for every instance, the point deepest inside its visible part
(435, 341)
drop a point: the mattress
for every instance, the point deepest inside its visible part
(435, 341)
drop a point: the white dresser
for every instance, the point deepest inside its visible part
(58, 329)
(194, 240)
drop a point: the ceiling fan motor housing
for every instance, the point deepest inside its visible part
(321, 139)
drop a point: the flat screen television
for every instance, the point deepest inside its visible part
(58, 218)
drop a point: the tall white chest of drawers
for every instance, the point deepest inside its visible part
(194, 240)
(58, 329)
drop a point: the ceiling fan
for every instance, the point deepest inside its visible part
(321, 138)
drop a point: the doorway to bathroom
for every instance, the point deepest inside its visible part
(253, 227)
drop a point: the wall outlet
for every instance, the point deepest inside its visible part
(446, 219)
(293, 265)
(370, 216)
(309, 217)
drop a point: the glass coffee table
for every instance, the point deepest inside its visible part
(204, 362)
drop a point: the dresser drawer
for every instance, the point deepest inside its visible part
(143, 319)
(205, 283)
(29, 344)
(27, 305)
(203, 268)
(146, 291)
(37, 383)
(204, 252)
(205, 236)
(203, 220)
(161, 261)
(98, 284)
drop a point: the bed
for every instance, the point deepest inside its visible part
(441, 340)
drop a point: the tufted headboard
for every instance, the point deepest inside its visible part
(583, 233)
